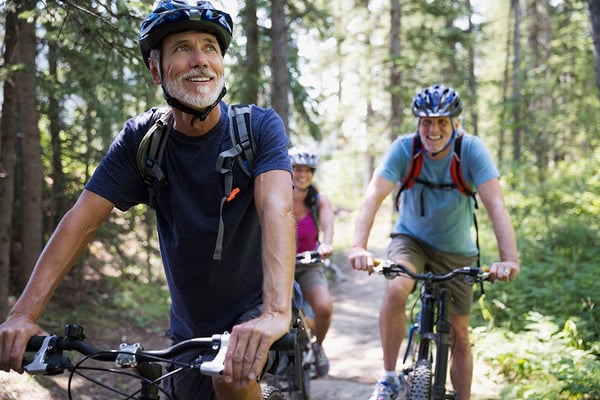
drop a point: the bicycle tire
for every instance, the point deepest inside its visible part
(420, 381)
(271, 393)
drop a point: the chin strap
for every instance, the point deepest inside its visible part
(447, 144)
(201, 115)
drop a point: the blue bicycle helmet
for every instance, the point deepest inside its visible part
(437, 101)
(171, 16)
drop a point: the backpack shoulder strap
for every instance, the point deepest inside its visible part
(314, 209)
(456, 170)
(242, 152)
(414, 170)
(461, 185)
(151, 149)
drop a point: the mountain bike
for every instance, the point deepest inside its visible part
(134, 362)
(425, 362)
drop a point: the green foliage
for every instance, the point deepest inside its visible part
(542, 361)
(557, 226)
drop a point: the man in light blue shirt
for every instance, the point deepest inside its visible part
(433, 230)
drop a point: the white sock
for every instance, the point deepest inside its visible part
(390, 374)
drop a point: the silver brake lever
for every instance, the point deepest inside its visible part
(39, 363)
(216, 366)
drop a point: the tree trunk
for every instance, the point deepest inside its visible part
(395, 72)
(8, 126)
(250, 94)
(279, 61)
(595, 17)
(517, 83)
(58, 204)
(31, 168)
(472, 77)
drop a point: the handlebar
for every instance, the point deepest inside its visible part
(308, 257)
(49, 359)
(391, 269)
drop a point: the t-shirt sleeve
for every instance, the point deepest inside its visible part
(117, 178)
(480, 167)
(394, 165)
(271, 142)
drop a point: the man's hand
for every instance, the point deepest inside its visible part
(504, 271)
(361, 259)
(249, 345)
(14, 335)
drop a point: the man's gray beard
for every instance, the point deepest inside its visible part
(196, 100)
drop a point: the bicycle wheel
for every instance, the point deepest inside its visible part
(420, 381)
(271, 393)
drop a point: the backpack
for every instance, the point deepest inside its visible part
(152, 147)
(458, 181)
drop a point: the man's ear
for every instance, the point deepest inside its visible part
(457, 121)
(155, 70)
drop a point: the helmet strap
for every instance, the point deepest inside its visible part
(197, 114)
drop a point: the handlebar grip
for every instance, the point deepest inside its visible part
(284, 343)
(35, 343)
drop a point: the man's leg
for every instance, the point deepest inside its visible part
(392, 319)
(461, 363)
(227, 391)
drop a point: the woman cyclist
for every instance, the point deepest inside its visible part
(313, 212)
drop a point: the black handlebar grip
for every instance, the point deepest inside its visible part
(286, 342)
(35, 343)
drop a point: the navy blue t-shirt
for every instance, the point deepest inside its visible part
(207, 295)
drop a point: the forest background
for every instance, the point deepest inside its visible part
(341, 74)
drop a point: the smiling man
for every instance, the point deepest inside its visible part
(246, 286)
(433, 231)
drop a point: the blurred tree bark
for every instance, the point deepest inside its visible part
(8, 126)
(250, 94)
(29, 194)
(595, 18)
(516, 83)
(281, 82)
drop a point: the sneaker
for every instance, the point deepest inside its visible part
(387, 388)
(321, 360)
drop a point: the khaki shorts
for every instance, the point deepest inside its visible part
(424, 258)
(309, 275)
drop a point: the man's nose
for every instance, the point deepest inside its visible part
(198, 59)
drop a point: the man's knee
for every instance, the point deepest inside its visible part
(460, 341)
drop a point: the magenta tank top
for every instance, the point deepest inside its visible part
(307, 234)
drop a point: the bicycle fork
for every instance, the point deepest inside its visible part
(442, 326)
(440, 336)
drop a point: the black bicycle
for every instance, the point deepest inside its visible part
(425, 363)
(134, 362)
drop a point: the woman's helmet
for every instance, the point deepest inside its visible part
(171, 16)
(302, 157)
(437, 101)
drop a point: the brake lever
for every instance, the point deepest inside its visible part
(216, 366)
(48, 360)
